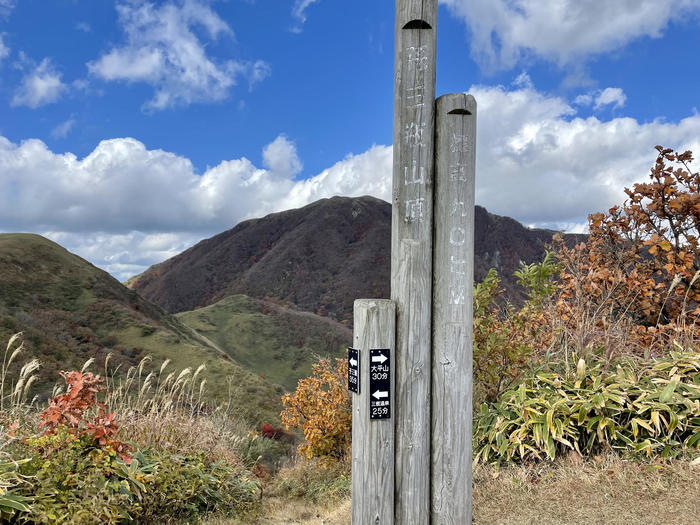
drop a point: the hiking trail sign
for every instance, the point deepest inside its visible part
(354, 370)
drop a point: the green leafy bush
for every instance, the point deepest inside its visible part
(185, 487)
(650, 408)
(507, 340)
(72, 481)
(11, 502)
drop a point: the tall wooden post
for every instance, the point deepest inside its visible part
(453, 289)
(411, 247)
(372, 440)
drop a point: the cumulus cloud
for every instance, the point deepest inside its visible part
(40, 85)
(280, 157)
(163, 50)
(562, 31)
(125, 206)
(540, 163)
(299, 12)
(601, 98)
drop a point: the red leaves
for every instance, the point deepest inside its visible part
(68, 410)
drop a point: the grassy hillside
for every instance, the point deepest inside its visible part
(71, 311)
(277, 343)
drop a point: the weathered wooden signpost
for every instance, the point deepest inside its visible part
(411, 437)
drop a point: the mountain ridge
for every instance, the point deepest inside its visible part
(320, 258)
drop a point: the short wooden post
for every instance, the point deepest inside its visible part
(453, 282)
(372, 440)
(411, 248)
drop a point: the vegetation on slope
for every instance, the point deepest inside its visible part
(70, 311)
(145, 449)
(320, 258)
(277, 343)
(603, 354)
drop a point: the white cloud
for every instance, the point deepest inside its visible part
(62, 130)
(163, 50)
(4, 50)
(602, 98)
(280, 157)
(562, 31)
(84, 27)
(540, 163)
(40, 86)
(368, 173)
(614, 96)
(257, 72)
(299, 12)
(584, 100)
(125, 206)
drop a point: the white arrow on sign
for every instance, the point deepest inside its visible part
(379, 358)
(353, 362)
(379, 394)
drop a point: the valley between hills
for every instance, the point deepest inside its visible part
(257, 304)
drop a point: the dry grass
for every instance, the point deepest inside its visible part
(605, 490)
(282, 511)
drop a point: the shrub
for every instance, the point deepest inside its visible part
(507, 340)
(74, 481)
(307, 481)
(185, 487)
(650, 408)
(255, 450)
(638, 274)
(321, 407)
(67, 411)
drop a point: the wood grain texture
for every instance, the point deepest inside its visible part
(411, 244)
(372, 441)
(453, 282)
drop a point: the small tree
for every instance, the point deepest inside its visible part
(321, 407)
(641, 264)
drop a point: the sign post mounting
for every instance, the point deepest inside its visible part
(411, 429)
(373, 439)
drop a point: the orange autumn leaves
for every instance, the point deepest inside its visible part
(321, 407)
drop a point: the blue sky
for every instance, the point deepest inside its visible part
(130, 129)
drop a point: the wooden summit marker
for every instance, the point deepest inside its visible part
(453, 290)
(411, 252)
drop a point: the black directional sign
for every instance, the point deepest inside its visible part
(354, 370)
(379, 384)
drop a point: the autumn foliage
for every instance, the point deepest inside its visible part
(632, 289)
(637, 279)
(69, 410)
(321, 407)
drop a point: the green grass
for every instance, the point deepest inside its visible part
(279, 344)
